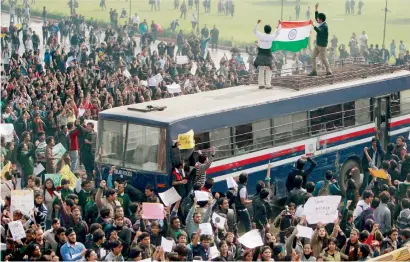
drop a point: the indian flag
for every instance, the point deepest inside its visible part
(292, 36)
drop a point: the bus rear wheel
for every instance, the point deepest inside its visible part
(344, 175)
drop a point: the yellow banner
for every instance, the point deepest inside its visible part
(378, 173)
(2, 35)
(67, 174)
(18, 26)
(5, 169)
(186, 140)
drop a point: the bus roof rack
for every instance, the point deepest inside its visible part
(148, 108)
(342, 73)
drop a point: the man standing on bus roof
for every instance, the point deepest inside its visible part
(322, 37)
(263, 60)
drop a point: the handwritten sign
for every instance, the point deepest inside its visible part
(322, 209)
(201, 195)
(166, 244)
(251, 239)
(22, 200)
(67, 174)
(7, 130)
(17, 230)
(206, 229)
(152, 211)
(379, 173)
(186, 140)
(170, 196)
(59, 151)
(56, 178)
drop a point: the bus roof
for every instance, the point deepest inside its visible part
(205, 104)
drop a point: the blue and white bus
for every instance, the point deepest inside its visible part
(251, 127)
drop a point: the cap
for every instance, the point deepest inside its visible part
(69, 231)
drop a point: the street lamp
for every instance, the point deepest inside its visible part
(385, 21)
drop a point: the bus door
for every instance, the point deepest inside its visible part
(381, 118)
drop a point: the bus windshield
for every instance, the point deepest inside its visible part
(132, 146)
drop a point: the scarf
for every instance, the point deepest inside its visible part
(51, 192)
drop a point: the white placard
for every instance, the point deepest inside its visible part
(38, 169)
(322, 209)
(17, 230)
(58, 151)
(231, 182)
(158, 78)
(218, 220)
(194, 68)
(182, 59)
(251, 239)
(304, 231)
(81, 112)
(213, 252)
(310, 147)
(170, 196)
(299, 211)
(201, 196)
(94, 122)
(22, 200)
(126, 74)
(167, 244)
(7, 130)
(206, 229)
(174, 88)
(144, 82)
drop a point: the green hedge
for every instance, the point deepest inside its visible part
(223, 42)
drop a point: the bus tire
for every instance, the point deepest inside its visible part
(347, 166)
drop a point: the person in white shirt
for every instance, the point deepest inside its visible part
(363, 42)
(364, 203)
(263, 60)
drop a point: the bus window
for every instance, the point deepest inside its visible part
(348, 114)
(243, 138)
(111, 142)
(262, 136)
(327, 119)
(145, 148)
(404, 102)
(221, 140)
(282, 128)
(299, 125)
(202, 141)
(362, 111)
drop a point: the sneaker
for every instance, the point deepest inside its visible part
(329, 73)
(313, 73)
(261, 87)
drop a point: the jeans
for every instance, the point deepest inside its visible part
(243, 217)
(74, 159)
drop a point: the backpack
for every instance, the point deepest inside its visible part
(325, 190)
(360, 221)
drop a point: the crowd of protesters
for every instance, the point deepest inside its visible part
(49, 96)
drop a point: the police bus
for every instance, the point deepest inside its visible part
(250, 128)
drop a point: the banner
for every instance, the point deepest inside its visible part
(322, 209)
(22, 200)
(67, 174)
(186, 140)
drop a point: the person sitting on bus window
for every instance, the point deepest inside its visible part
(327, 187)
(202, 165)
(299, 170)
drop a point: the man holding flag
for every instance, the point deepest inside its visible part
(263, 60)
(321, 42)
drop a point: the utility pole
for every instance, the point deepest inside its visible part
(385, 22)
(281, 11)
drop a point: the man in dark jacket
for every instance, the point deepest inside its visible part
(321, 42)
(298, 194)
(262, 211)
(300, 164)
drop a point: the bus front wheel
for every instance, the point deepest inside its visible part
(344, 174)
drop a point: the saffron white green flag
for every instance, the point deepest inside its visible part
(293, 36)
